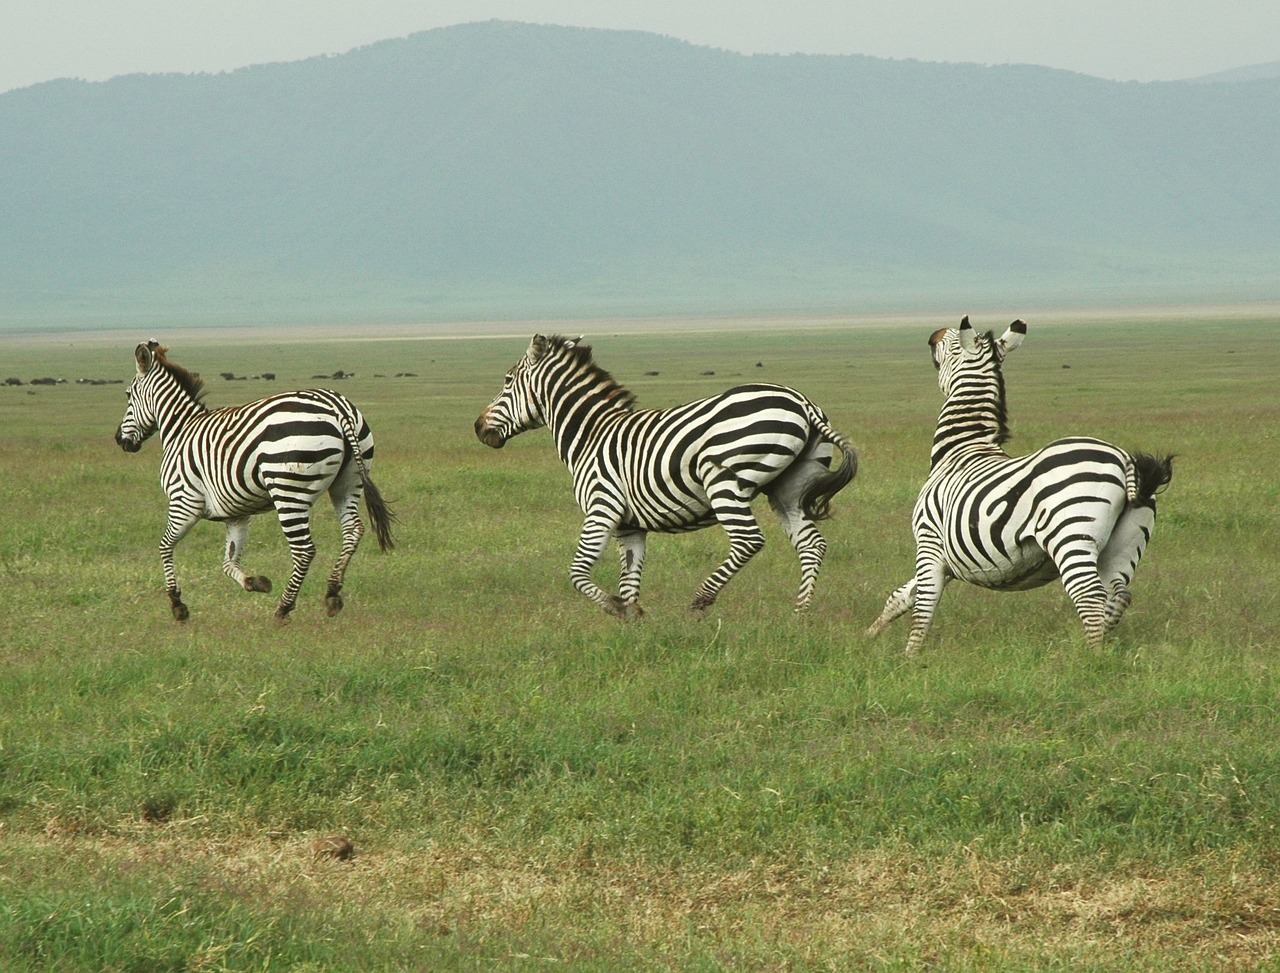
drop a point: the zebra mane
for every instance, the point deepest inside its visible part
(580, 355)
(188, 381)
(1003, 435)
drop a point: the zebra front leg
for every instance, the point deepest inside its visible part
(897, 605)
(596, 530)
(931, 577)
(347, 507)
(733, 511)
(181, 519)
(631, 558)
(237, 537)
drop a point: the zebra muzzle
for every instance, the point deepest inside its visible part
(488, 435)
(128, 445)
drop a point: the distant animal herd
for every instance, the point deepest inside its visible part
(1079, 510)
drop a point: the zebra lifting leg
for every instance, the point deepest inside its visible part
(345, 496)
(237, 536)
(733, 510)
(898, 604)
(596, 530)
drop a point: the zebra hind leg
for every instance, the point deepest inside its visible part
(733, 511)
(1084, 585)
(296, 521)
(237, 536)
(347, 506)
(810, 547)
(1119, 559)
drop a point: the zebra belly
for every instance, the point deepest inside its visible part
(691, 513)
(1025, 566)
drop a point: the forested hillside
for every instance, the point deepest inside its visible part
(504, 169)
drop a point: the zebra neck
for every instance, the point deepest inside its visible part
(573, 418)
(173, 420)
(969, 423)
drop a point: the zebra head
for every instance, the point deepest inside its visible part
(964, 350)
(140, 419)
(519, 406)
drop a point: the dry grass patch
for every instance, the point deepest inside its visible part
(1215, 912)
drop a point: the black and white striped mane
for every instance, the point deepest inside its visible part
(603, 383)
(1000, 405)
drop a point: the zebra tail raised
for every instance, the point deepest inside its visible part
(816, 500)
(1153, 474)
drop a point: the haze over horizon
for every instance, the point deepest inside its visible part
(508, 169)
(1173, 40)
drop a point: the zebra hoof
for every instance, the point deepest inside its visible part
(258, 583)
(282, 615)
(632, 612)
(332, 604)
(180, 612)
(615, 606)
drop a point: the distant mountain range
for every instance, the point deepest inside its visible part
(509, 170)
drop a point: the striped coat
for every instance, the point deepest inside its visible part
(1080, 509)
(280, 453)
(670, 470)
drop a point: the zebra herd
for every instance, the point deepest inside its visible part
(1080, 509)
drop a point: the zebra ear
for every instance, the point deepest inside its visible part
(967, 340)
(1012, 337)
(538, 347)
(145, 358)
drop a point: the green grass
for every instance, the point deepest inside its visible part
(530, 784)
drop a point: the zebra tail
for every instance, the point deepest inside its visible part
(1153, 474)
(816, 500)
(379, 510)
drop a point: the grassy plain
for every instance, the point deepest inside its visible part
(531, 785)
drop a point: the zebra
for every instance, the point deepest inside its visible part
(673, 470)
(229, 464)
(1079, 509)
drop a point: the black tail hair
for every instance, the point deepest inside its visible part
(1154, 473)
(816, 501)
(379, 512)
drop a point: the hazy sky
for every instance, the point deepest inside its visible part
(1143, 40)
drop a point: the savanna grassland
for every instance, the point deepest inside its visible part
(529, 784)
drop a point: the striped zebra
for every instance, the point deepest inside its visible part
(673, 470)
(280, 452)
(1080, 509)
